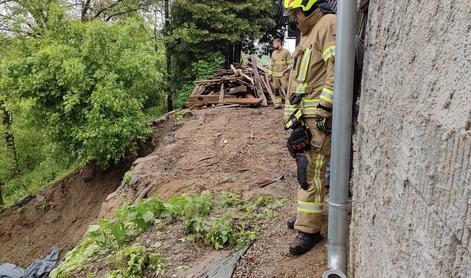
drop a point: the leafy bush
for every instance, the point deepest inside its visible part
(135, 262)
(89, 83)
(133, 220)
(76, 258)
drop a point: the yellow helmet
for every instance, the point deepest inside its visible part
(306, 5)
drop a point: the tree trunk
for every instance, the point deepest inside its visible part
(84, 11)
(168, 56)
(10, 138)
(237, 52)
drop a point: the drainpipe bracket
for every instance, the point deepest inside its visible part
(333, 273)
(338, 205)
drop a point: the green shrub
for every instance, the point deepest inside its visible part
(89, 83)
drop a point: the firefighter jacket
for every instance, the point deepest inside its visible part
(280, 63)
(312, 74)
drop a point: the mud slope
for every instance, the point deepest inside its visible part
(222, 150)
(228, 150)
(62, 212)
(57, 217)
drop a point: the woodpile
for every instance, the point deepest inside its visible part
(238, 86)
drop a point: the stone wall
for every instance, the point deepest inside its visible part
(412, 159)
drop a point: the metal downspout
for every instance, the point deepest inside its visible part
(341, 139)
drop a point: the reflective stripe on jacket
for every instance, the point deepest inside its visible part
(312, 74)
(280, 62)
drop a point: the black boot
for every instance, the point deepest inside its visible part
(303, 243)
(291, 221)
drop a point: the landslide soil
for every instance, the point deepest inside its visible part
(227, 150)
(57, 217)
(222, 150)
(62, 212)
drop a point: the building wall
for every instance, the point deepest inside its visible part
(412, 147)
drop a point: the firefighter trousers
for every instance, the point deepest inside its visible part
(278, 83)
(310, 201)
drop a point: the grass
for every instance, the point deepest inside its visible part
(34, 181)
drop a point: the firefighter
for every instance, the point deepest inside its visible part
(308, 114)
(279, 70)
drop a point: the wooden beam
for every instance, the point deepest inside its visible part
(195, 90)
(258, 82)
(236, 73)
(221, 95)
(214, 99)
(266, 82)
(246, 77)
(237, 90)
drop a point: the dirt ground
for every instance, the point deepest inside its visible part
(229, 150)
(57, 217)
(222, 150)
(62, 212)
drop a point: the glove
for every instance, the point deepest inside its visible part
(321, 125)
(299, 140)
(295, 99)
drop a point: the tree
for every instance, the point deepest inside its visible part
(7, 120)
(27, 17)
(199, 29)
(89, 82)
(110, 9)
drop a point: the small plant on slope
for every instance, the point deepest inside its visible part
(135, 262)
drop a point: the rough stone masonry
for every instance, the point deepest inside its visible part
(412, 160)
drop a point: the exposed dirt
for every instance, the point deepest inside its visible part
(222, 150)
(227, 150)
(269, 256)
(57, 217)
(62, 212)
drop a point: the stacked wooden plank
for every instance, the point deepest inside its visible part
(238, 86)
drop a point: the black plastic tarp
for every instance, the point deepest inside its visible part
(38, 269)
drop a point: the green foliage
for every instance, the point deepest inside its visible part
(89, 82)
(215, 23)
(76, 258)
(135, 262)
(262, 207)
(127, 178)
(218, 232)
(41, 161)
(224, 230)
(201, 29)
(189, 205)
(230, 200)
(154, 112)
(77, 90)
(200, 70)
(133, 220)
